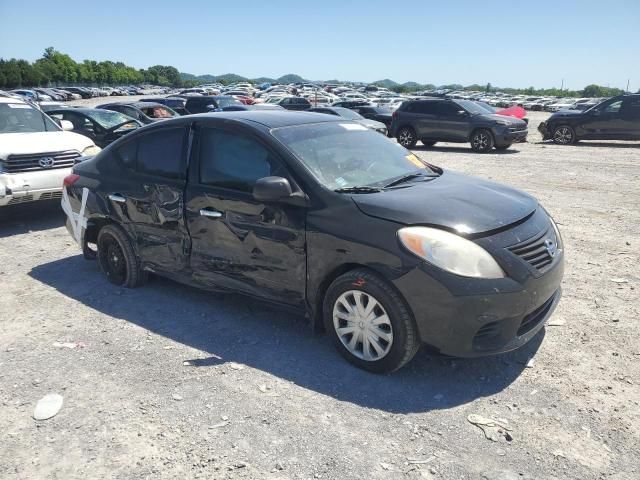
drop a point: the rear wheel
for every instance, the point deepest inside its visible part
(428, 143)
(564, 135)
(117, 258)
(407, 137)
(502, 147)
(369, 322)
(482, 141)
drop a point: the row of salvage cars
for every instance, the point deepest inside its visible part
(311, 211)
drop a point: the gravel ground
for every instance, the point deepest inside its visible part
(261, 397)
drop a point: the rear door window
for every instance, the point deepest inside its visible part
(631, 108)
(163, 153)
(425, 108)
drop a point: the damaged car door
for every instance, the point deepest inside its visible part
(238, 242)
(150, 197)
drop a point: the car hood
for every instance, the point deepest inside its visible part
(565, 114)
(41, 142)
(502, 118)
(452, 201)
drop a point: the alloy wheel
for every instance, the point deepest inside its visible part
(362, 325)
(481, 141)
(405, 138)
(563, 135)
(113, 259)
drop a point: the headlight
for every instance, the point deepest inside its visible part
(92, 150)
(450, 252)
(502, 122)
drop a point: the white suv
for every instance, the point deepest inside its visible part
(35, 153)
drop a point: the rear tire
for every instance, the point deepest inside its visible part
(564, 135)
(482, 141)
(428, 143)
(360, 304)
(407, 137)
(118, 259)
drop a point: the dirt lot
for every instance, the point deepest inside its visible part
(262, 397)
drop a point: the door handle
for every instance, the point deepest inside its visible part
(210, 213)
(116, 197)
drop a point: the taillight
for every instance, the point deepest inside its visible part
(70, 180)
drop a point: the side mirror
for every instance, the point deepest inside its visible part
(271, 189)
(66, 125)
(461, 113)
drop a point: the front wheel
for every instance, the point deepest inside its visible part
(407, 137)
(369, 322)
(117, 258)
(482, 141)
(564, 135)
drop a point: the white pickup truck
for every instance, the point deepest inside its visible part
(35, 153)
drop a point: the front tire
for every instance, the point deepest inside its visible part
(407, 137)
(482, 141)
(564, 135)
(369, 322)
(117, 258)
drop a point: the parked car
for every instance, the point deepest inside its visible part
(438, 119)
(84, 93)
(101, 126)
(615, 119)
(351, 103)
(35, 153)
(379, 114)
(31, 95)
(293, 103)
(214, 103)
(174, 103)
(145, 112)
(353, 116)
(327, 218)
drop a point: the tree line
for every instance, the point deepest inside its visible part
(56, 68)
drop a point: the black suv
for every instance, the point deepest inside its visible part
(206, 103)
(617, 118)
(460, 121)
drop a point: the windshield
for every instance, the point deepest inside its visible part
(227, 101)
(108, 119)
(22, 118)
(157, 111)
(471, 107)
(343, 155)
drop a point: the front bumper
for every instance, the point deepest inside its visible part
(476, 317)
(31, 186)
(544, 130)
(507, 137)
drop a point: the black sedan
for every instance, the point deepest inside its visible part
(145, 112)
(379, 114)
(617, 118)
(326, 217)
(353, 116)
(101, 126)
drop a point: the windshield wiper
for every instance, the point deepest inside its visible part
(357, 189)
(407, 177)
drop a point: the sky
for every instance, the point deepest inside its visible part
(505, 43)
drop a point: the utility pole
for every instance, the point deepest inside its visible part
(562, 85)
(628, 84)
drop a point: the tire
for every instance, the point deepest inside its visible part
(396, 335)
(502, 147)
(482, 141)
(407, 137)
(117, 258)
(428, 143)
(564, 135)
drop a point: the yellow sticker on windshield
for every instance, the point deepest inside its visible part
(415, 160)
